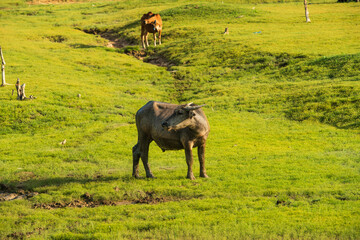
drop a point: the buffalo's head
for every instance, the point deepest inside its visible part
(181, 118)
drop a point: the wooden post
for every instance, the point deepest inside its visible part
(306, 12)
(2, 68)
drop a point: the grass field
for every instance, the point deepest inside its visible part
(283, 100)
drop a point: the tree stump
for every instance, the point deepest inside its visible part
(20, 89)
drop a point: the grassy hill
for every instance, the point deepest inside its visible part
(282, 97)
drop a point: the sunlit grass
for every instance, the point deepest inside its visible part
(283, 152)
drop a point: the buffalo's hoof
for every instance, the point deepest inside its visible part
(191, 177)
(204, 176)
(150, 176)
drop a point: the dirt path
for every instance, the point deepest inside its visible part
(88, 201)
(8, 194)
(115, 41)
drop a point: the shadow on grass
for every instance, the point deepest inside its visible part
(79, 45)
(6, 99)
(351, 126)
(31, 184)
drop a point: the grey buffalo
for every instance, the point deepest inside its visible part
(172, 127)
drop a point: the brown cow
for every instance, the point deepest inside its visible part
(150, 23)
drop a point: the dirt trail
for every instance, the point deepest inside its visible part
(116, 41)
(46, 2)
(8, 194)
(88, 201)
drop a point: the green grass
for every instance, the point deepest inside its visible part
(283, 105)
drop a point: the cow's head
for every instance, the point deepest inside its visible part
(152, 23)
(182, 117)
(147, 16)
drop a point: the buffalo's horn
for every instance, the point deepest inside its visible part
(188, 107)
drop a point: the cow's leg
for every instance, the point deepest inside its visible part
(143, 32)
(144, 154)
(155, 39)
(146, 37)
(143, 41)
(201, 155)
(136, 158)
(189, 161)
(159, 37)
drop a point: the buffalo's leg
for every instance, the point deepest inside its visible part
(155, 39)
(189, 161)
(144, 154)
(201, 155)
(136, 158)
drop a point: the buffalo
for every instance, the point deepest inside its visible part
(172, 127)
